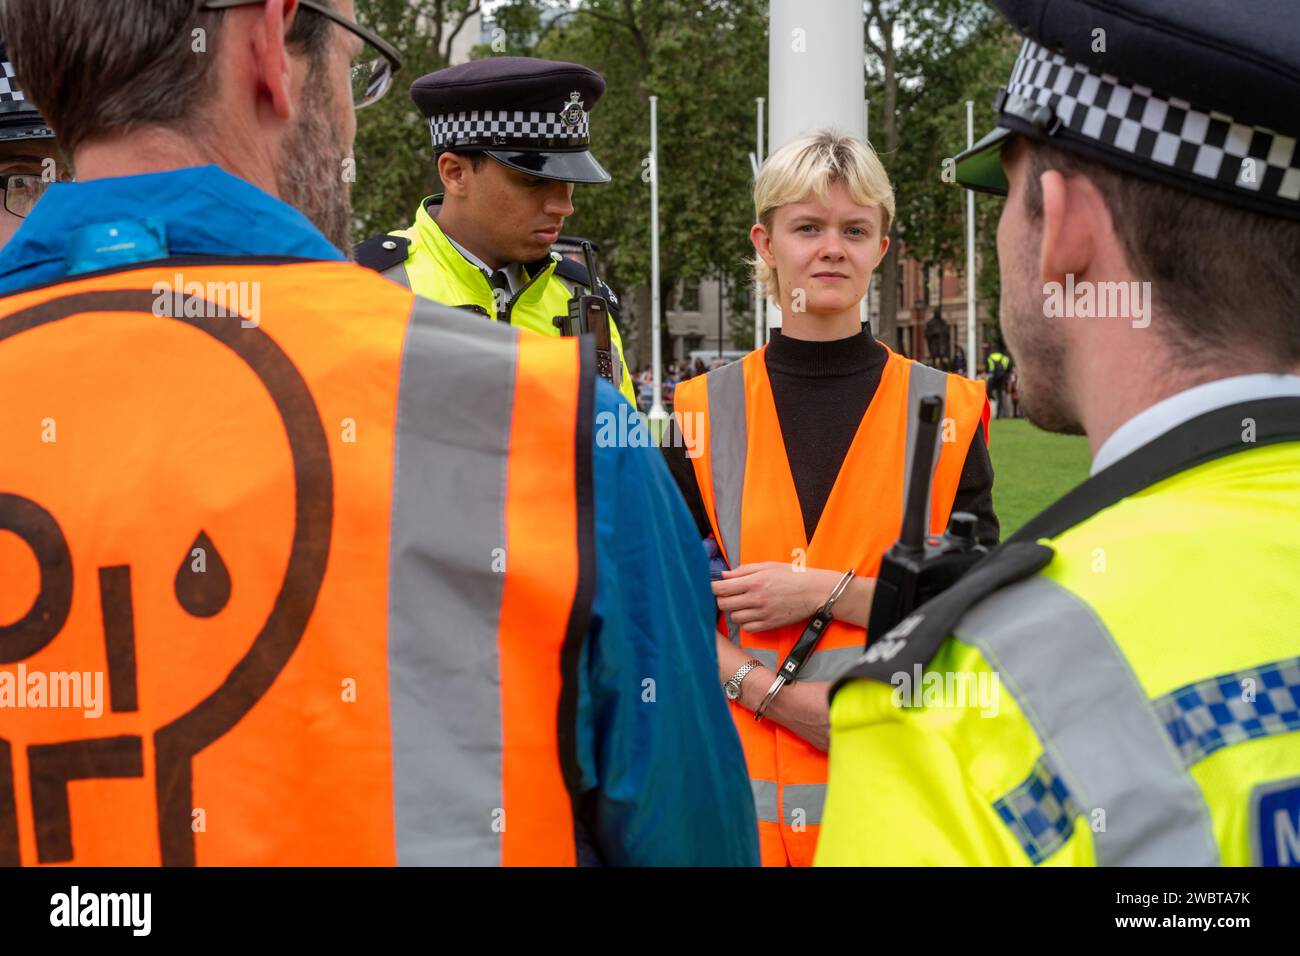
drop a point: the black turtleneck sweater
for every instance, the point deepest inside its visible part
(821, 391)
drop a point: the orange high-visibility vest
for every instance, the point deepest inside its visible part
(329, 564)
(746, 485)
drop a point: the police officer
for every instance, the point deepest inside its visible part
(998, 366)
(510, 139)
(1119, 683)
(29, 160)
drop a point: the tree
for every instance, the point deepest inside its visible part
(706, 61)
(393, 150)
(925, 59)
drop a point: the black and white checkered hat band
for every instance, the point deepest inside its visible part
(10, 91)
(507, 128)
(1158, 131)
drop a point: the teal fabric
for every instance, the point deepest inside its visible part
(658, 747)
(198, 211)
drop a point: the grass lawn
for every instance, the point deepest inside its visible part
(1031, 469)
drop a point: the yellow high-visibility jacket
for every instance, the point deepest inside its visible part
(1118, 684)
(423, 259)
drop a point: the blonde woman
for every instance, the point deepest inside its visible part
(796, 468)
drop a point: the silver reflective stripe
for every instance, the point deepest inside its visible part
(398, 274)
(1097, 727)
(921, 381)
(825, 664)
(765, 800)
(728, 446)
(829, 663)
(449, 491)
(808, 799)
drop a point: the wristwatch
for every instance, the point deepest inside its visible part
(732, 687)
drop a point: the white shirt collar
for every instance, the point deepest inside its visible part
(1169, 413)
(512, 270)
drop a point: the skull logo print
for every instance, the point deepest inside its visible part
(126, 539)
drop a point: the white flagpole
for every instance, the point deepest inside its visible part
(873, 324)
(972, 347)
(760, 326)
(814, 76)
(657, 408)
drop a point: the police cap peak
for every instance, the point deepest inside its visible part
(1198, 94)
(529, 114)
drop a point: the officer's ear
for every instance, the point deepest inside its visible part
(1076, 222)
(454, 171)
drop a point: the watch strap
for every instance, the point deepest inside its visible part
(742, 672)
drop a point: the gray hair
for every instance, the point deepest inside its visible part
(113, 66)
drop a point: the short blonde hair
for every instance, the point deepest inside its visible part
(808, 166)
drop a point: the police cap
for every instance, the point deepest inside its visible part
(1203, 95)
(19, 118)
(529, 114)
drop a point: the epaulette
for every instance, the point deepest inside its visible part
(381, 253)
(576, 273)
(918, 637)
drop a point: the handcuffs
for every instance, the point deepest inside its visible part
(803, 648)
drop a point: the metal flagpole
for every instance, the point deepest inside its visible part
(722, 288)
(657, 408)
(873, 324)
(814, 77)
(972, 347)
(760, 326)
(864, 307)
